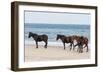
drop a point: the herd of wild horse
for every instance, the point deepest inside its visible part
(82, 41)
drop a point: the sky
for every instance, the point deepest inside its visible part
(56, 18)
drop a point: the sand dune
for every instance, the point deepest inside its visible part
(52, 53)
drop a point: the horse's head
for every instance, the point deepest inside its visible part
(30, 34)
(58, 36)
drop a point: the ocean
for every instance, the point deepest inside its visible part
(53, 29)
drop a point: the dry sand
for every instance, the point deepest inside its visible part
(52, 53)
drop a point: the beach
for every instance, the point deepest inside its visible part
(52, 53)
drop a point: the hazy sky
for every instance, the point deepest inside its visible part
(56, 18)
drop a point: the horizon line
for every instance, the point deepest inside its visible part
(56, 23)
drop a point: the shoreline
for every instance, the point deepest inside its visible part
(59, 43)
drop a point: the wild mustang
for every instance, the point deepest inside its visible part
(39, 38)
(80, 44)
(65, 39)
(82, 39)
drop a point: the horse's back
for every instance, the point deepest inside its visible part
(44, 37)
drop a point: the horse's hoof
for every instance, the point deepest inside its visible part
(45, 46)
(81, 52)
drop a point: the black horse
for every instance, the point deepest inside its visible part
(65, 39)
(39, 38)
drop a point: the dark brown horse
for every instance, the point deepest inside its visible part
(80, 44)
(39, 38)
(65, 39)
(81, 39)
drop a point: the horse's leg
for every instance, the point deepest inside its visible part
(78, 49)
(36, 44)
(45, 44)
(70, 46)
(81, 48)
(64, 45)
(86, 45)
(75, 46)
(87, 48)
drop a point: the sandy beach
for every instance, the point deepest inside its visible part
(52, 53)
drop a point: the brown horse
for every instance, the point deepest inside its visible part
(65, 39)
(39, 38)
(80, 44)
(81, 39)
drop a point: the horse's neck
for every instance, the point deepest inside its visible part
(34, 37)
(62, 39)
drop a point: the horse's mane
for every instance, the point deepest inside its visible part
(33, 33)
(61, 35)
